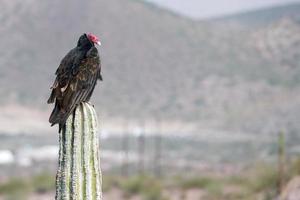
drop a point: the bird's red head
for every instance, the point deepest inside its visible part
(93, 38)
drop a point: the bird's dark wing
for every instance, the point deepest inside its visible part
(75, 86)
(63, 75)
(99, 71)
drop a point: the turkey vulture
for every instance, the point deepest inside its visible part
(76, 78)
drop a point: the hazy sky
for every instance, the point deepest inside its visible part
(212, 8)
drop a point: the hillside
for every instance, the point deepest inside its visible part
(157, 64)
(262, 17)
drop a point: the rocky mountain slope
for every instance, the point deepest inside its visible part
(159, 65)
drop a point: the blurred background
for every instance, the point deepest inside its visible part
(200, 100)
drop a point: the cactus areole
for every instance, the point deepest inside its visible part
(79, 176)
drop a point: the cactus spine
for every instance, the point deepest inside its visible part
(79, 176)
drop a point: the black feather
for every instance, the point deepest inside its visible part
(76, 78)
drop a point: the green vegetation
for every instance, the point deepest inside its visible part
(43, 183)
(209, 184)
(149, 187)
(257, 182)
(110, 182)
(16, 185)
(20, 188)
(201, 182)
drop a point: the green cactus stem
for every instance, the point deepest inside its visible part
(79, 176)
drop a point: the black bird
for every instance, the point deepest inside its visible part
(76, 78)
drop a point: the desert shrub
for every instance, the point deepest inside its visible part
(16, 189)
(152, 190)
(149, 188)
(265, 177)
(15, 185)
(43, 183)
(109, 182)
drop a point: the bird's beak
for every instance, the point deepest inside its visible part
(99, 43)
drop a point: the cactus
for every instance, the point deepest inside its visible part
(79, 176)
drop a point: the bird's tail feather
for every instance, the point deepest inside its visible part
(52, 97)
(54, 117)
(59, 117)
